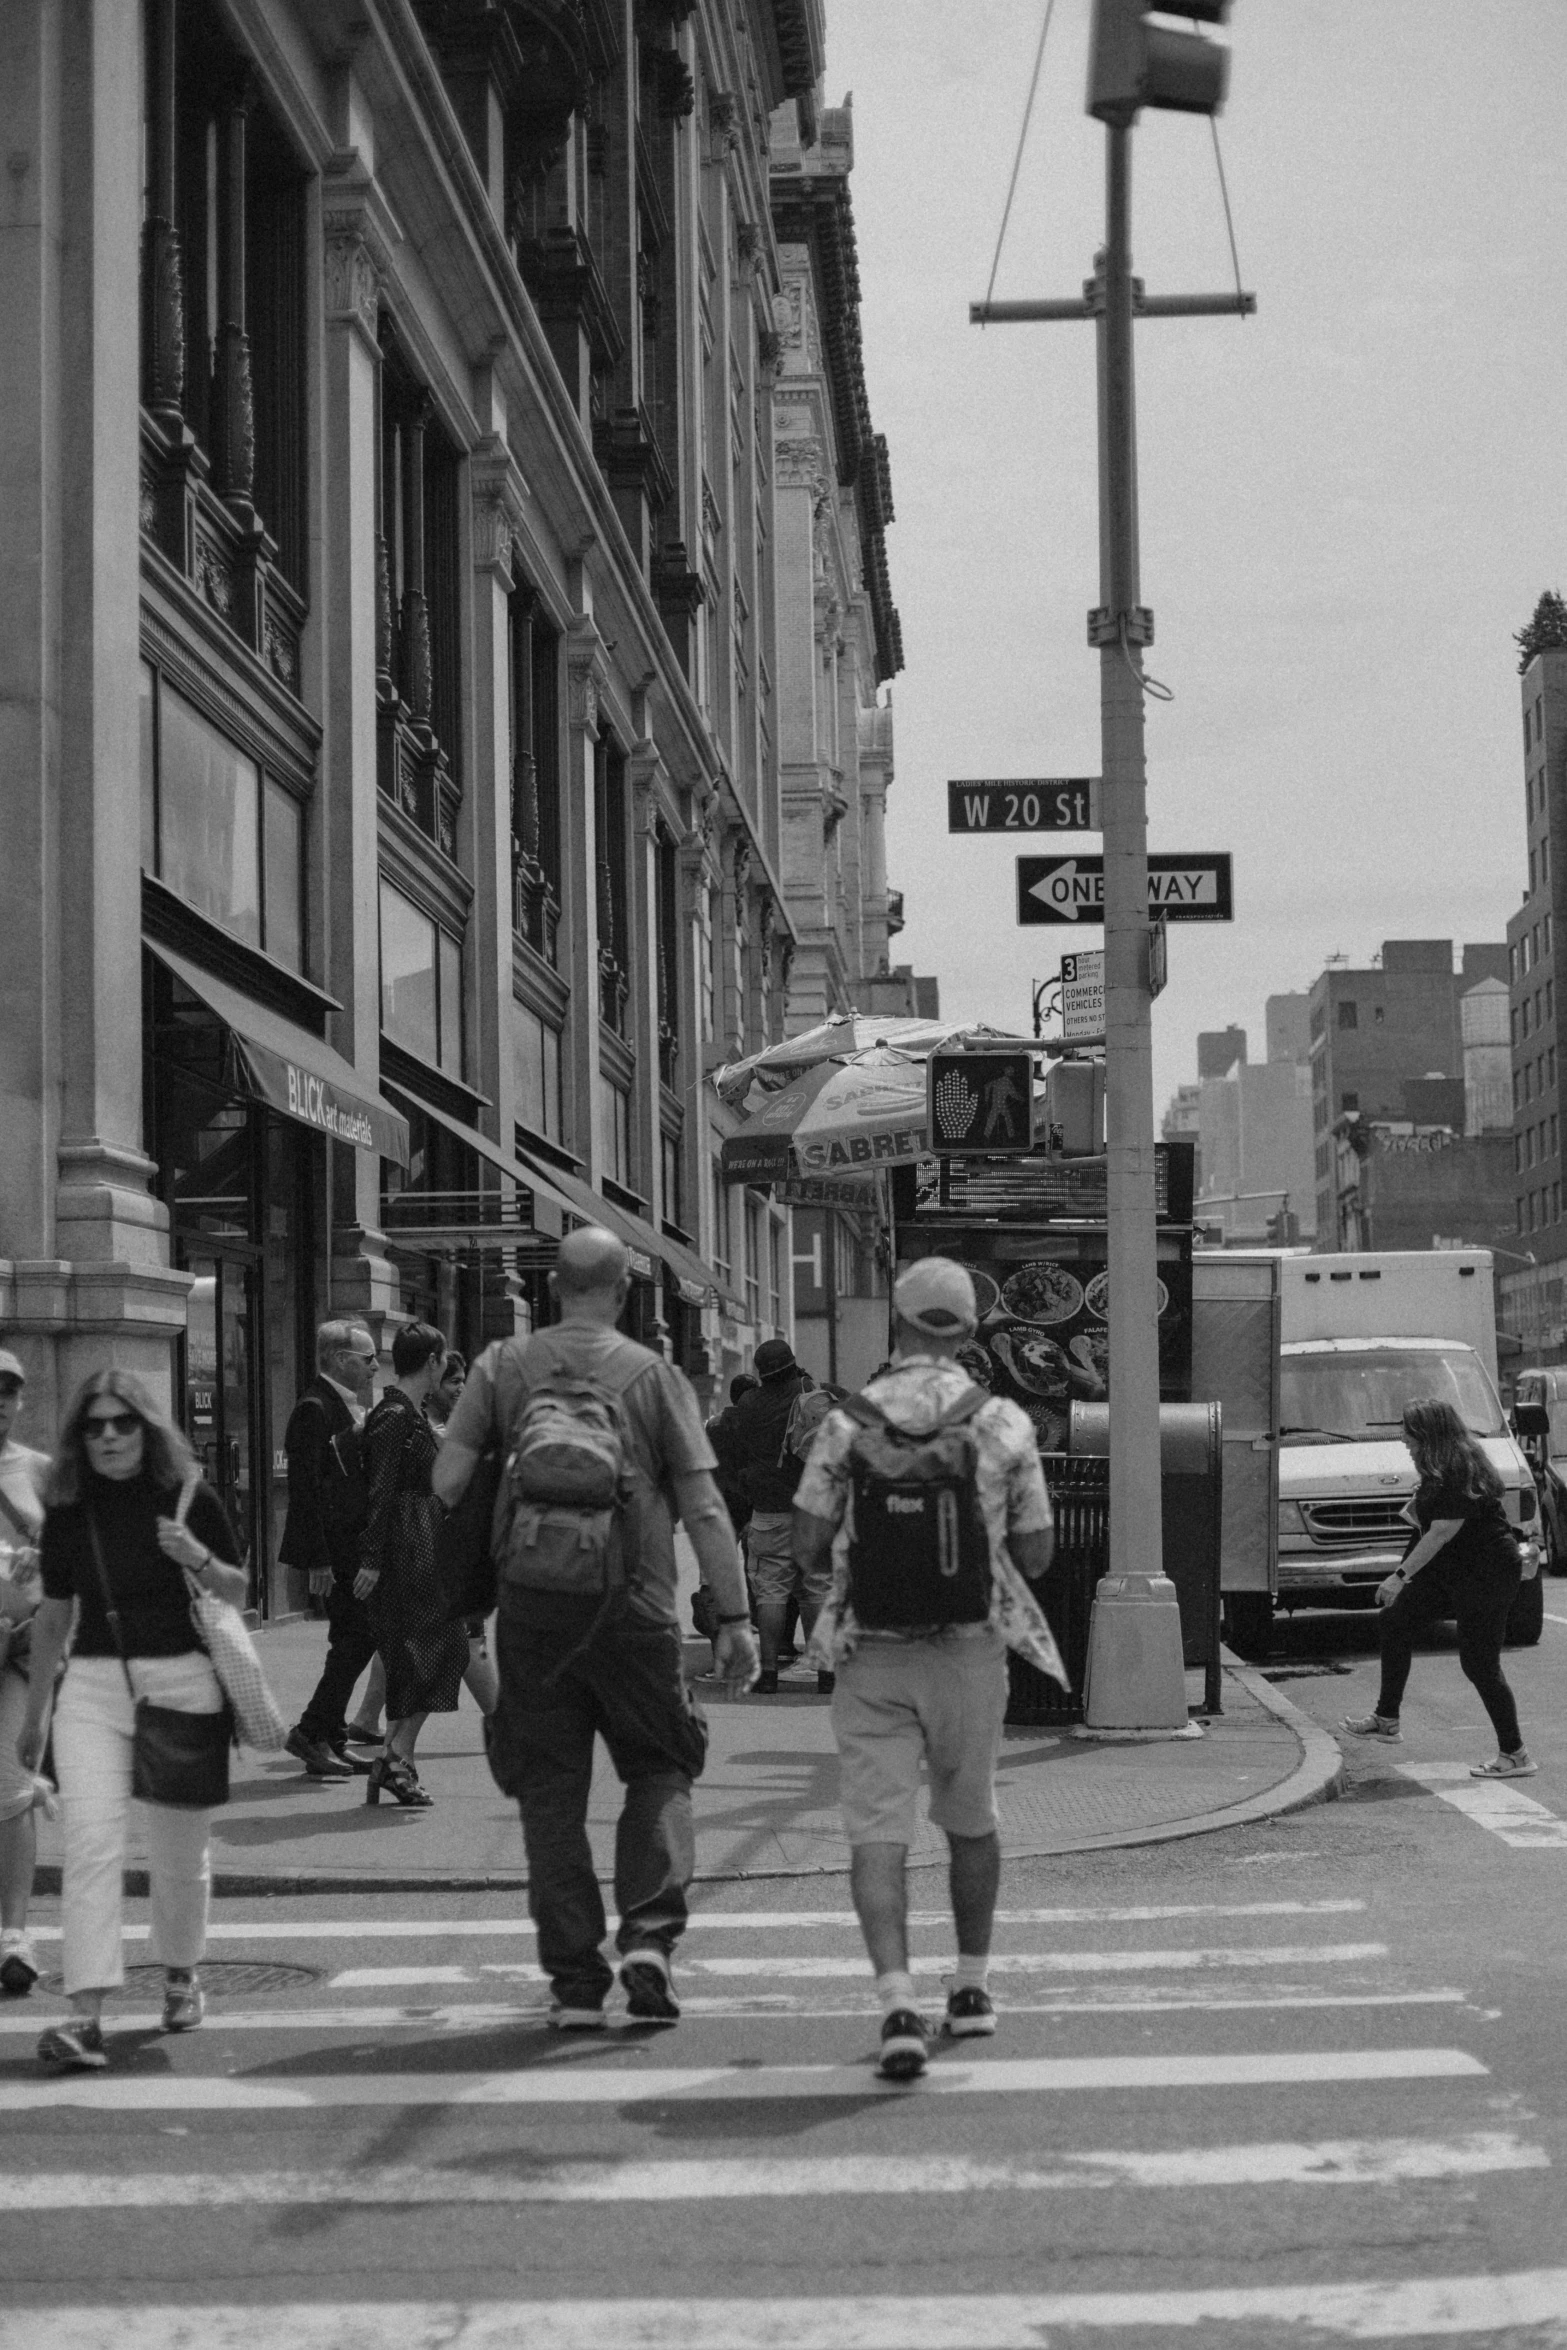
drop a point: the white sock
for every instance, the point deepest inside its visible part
(895, 1989)
(971, 1974)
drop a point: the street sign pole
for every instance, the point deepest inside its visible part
(1121, 627)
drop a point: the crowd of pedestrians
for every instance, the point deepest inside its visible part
(908, 1525)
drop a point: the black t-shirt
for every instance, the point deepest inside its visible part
(149, 1590)
(1484, 1539)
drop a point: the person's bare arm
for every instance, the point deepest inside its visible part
(810, 1538)
(1436, 1537)
(17, 1600)
(51, 1631)
(1032, 1552)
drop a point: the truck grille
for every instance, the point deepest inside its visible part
(1363, 1518)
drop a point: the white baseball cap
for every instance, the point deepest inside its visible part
(936, 1295)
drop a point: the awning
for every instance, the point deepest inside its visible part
(696, 1280)
(542, 1186)
(291, 1070)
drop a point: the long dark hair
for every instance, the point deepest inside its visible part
(166, 1458)
(1446, 1453)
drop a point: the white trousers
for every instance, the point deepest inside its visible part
(94, 1723)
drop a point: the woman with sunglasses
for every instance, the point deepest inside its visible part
(114, 1496)
(423, 1651)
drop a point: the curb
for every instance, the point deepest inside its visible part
(1317, 1778)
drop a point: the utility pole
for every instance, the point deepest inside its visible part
(1132, 64)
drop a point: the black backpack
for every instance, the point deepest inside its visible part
(919, 1554)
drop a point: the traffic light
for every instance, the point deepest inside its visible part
(1133, 63)
(981, 1104)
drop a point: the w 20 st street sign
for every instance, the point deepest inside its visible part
(1030, 803)
(1194, 888)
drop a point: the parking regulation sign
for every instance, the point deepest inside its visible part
(1083, 996)
(1194, 887)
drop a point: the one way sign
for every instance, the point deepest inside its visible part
(1193, 888)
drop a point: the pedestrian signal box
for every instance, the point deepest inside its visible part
(981, 1105)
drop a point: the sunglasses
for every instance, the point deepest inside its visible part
(8, 1388)
(103, 1424)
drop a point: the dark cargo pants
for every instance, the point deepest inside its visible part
(627, 1688)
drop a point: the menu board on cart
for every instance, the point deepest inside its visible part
(1043, 1298)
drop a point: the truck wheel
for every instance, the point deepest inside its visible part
(1248, 1624)
(1555, 1562)
(1526, 1617)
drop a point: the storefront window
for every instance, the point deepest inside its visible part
(222, 836)
(421, 983)
(538, 1073)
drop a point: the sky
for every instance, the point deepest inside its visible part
(1349, 502)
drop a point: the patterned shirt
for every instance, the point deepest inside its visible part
(1010, 1489)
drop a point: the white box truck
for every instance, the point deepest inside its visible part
(1361, 1336)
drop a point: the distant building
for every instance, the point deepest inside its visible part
(1218, 1050)
(1488, 1060)
(1180, 1122)
(1533, 1299)
(1379, 1038)
(1255, 1141)
(1405, 1185)
(1287, 1019)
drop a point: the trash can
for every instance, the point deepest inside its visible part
(1191, 1458)
(1080, 1501)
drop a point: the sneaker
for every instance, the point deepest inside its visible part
(1506, 1766)
(184, 2002)
(650, 1992)
(765, 1685)
(826, 1683)
(319, 1760)
(904, 2048)
(19, 1969)
(971, 2014)
(564, 2016)
(1373, 1726)
(74, 2047)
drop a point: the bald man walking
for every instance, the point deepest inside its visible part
(573, 1667)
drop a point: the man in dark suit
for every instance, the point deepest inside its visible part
(326, 1511)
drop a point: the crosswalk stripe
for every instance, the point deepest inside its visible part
(722, 1921)
(1396, 2310)
(1347, 2162)
(579, 2083)
(1002, 1962)
(1498, 1805)
(495, 2015)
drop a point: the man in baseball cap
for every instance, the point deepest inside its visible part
(928, 1494)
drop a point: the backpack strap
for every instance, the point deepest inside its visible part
(870, 1415)
(973, 1399)
(864, 1413)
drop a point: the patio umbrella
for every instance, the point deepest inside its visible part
(848, 1116)
(846, 1032)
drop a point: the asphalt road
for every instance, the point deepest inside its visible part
(1303, 2082)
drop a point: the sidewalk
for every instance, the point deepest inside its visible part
(765, 1806)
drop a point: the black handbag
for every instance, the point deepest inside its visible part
(464, 1558)
(178, 1759)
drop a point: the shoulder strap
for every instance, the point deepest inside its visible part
(188, 1485)
(973, 1399)
(863, 1412)
(109, 1608)
(8, 1509)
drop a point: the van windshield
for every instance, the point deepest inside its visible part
(1337, 1398)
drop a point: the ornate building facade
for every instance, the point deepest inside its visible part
(412, 769)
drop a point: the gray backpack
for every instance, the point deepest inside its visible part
(568, 1479)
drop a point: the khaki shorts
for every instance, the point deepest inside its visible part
(769, 1562)
(898, 1701)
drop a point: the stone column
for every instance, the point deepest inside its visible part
(356, 244)
(84, 1272)
(579, 883)
(645, 774)
(487, 816)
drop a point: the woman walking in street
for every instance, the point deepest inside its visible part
(480, 1678)
(1464, 1563)
(423, 1652)
(23, 1482)
(116, 1550)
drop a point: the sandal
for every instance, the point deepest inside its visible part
(1506, 1766)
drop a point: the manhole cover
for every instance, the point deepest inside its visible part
(225, 1977)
